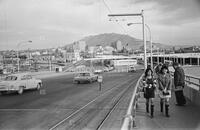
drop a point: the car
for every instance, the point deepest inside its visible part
(85, 77)
(111, 68)
(98, 71)
(106, 69)
(131, 69)
(19, 82)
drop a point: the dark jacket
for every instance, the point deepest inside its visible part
(179, 77)
(164, 82)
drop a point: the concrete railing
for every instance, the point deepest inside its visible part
(129, 120)
(192, 82)
(192, 88)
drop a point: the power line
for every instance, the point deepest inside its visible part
(109, 9)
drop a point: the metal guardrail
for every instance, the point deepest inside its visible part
(191, 81)
(129, 120)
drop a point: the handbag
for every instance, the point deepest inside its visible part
(166, 93)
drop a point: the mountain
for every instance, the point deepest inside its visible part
(107, 38)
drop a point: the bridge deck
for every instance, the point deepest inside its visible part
(181, 117)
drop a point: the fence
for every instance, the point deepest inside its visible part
(129, 120)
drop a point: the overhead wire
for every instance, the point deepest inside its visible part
(110, 11)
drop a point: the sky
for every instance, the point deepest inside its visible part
(55, 23)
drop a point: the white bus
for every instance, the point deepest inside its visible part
(127, 62)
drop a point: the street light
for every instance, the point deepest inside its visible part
(143, 30)
(150, 35)
(20, 43)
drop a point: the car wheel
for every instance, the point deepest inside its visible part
(78, 82)
(21, 90)
(38, 86)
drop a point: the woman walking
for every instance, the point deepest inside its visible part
(164, 86)
(149, 87)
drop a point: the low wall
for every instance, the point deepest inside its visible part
(192, 94)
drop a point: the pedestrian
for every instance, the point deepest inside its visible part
(158, 68)
(179, 83)
(148, 66)
(100, 80)
(164, 87)
(149, 87)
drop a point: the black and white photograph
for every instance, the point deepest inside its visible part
(99, 64)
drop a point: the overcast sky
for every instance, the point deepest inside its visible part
(53, 23)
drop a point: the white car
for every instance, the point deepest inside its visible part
(131, 69)
(19, 83)
(85, 77)
(106, 69)
(98, 71)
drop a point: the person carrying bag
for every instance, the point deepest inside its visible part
(164, 86)
(179, 83)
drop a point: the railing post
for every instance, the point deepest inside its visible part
(134, 114)
(189, 80)
(199, 84)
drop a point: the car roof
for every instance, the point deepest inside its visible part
(84, 72)
(18, 74)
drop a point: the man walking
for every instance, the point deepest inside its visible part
(179, 83)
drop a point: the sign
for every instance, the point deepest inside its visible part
(100, 78)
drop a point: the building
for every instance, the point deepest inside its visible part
(73, 56)
(117, 45)
(99, 50)
(108, 50)
(79, 45)
(1, 59)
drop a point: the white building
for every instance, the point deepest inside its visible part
(91, 50)
(108, 50)
(73, 56)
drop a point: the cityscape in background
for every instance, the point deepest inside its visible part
(50, 58)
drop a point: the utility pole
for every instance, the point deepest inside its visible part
(150, 35)
(18, 59)
(143, 30)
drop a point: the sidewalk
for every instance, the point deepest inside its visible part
(181, 117)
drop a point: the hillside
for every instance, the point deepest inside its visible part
(107, 38)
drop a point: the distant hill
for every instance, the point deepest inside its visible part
(107, 38)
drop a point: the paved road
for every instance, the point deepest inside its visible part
(57, 99)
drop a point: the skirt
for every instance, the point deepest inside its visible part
(149, 92)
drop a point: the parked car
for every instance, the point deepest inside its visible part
(85, 77)
(131, 69)
(19, 82)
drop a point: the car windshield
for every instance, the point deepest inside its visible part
(84, 74)
(10, 78)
